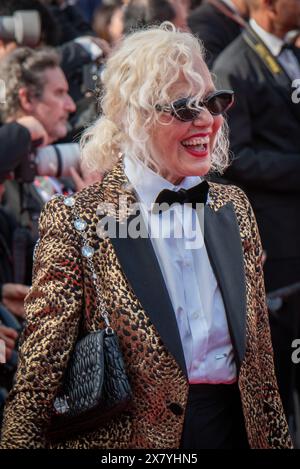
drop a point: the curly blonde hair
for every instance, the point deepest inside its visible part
(138, 75)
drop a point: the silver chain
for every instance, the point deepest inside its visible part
(87, 251)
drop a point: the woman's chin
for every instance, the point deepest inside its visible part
(201, 167)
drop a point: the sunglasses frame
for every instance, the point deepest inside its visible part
(196, 110)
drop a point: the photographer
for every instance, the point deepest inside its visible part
(79, 58)
(36, 86)
(36, 90)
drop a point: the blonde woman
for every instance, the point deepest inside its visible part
(183, 288)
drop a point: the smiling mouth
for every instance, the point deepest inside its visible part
(197, 145)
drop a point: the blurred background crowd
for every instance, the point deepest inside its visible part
(52, 53)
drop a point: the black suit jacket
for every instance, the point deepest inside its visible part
(71, 22)
(15, 144)
(7, 227)
(265, 139)
(215, 29)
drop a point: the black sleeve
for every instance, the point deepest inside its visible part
(15, 143)
(253, 166)
(213, 41)
(72, 23)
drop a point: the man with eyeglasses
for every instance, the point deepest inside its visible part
(261, 66)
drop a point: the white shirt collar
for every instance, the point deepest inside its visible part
(273, 43)
(149, 184)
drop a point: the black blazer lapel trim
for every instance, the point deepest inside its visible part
(141, 268)
(224, 247)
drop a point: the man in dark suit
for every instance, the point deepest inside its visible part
(217, 23)
(265, 139)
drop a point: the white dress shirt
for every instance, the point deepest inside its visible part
(285, 57)
(189, 278)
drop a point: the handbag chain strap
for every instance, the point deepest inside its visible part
(87, 252)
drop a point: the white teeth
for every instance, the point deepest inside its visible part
(196, 141)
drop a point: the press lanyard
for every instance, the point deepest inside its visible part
(257, 45)
(277, 72)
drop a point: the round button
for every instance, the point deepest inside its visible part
(195, 315)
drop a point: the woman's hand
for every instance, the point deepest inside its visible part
(13, 295)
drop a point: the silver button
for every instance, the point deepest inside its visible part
(69, 201)
(61, 405)
(80, 224)
(219, 356)
(87, 251)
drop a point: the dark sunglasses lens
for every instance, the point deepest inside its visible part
(183, 112)
(187, 114)
(219, 103)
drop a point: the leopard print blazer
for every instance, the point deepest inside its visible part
(61, 290)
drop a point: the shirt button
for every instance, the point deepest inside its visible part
(219, 356)
(195, 315)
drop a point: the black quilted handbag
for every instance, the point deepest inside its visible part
(95, 386)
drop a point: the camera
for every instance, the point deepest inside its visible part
(24, 27)
(52, 160)
(56, 160)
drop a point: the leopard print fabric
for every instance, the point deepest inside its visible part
(61, 290)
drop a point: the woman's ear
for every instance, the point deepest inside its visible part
(25, 100)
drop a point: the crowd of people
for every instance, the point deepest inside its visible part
(152, 107)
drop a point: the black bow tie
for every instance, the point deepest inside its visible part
(197, 194)
(287, 46)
